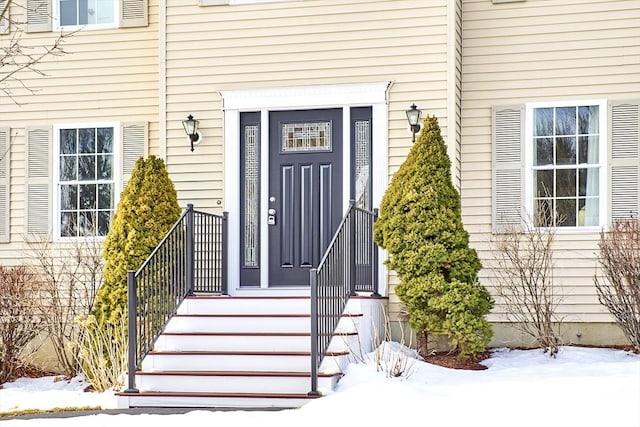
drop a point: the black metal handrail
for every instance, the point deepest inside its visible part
(349, 265)
(190, 258)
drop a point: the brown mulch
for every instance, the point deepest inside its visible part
(451, 360)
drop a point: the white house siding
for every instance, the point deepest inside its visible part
(107, 75)
(542, 50)
(296, 43)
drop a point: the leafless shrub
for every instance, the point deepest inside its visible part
(524, 281)
(619, 290)
(19, 323)
(102, 352)
(71, 274)
(395, 359)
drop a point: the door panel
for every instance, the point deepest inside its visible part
(305, 191)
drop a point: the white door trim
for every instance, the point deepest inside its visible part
(295, 98)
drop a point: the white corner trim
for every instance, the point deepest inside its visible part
(322, 96)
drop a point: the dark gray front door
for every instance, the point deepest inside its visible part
(305, 191)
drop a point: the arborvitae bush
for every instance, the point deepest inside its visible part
(148, 208)
(421, 228)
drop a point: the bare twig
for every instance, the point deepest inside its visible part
(524, 281)
(19, 320)
(619, 289)
(17, 57)
(71, 274)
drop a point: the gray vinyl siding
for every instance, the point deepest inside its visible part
(532, 51)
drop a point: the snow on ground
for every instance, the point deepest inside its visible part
(581, 387)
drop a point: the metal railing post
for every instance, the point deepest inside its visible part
(352, 247)
(190, 250)
(132, 332)
(225, 251)
(314, 332)
(374, 257)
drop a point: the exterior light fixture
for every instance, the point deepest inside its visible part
(413, 116)
(191, 128)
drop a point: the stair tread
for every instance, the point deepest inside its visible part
(255, 315)
(247, 297)
(252, 334)
(217, 394)
(238, 373)
(242, 353)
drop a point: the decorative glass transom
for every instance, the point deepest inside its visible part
(309, 136)
(251, 195)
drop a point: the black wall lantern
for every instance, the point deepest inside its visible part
(191, 128)
(413, 116)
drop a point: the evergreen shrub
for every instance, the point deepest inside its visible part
(147, 210)
(421, 228)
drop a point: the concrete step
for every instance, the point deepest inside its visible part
(247, 341)
(212, 400)
(258, 322)
(240, 361)
(233, 382)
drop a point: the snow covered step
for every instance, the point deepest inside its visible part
(232, 382)
(239, 361)
(252, 323)
(212, 400)
(247, 341)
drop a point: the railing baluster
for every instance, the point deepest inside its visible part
(225, 247)
(337, 278)
(190, 248)
(314, 332)
(131, 344)
(173, 271)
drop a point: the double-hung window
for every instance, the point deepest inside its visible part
(565, 179)
(85, 184)
(91, 13)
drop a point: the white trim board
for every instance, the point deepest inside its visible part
(342, 96)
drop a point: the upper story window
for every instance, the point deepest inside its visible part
(566, 163)
(85, 181)
(87, 12)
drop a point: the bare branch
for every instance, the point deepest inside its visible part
(524, 281)
(619, 289)
(18, 58)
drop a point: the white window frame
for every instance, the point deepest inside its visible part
(117, 173)
(603, 142)
(55, 13)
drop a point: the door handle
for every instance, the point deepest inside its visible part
(271, 218)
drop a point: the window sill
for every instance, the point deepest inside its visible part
(88, 27)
